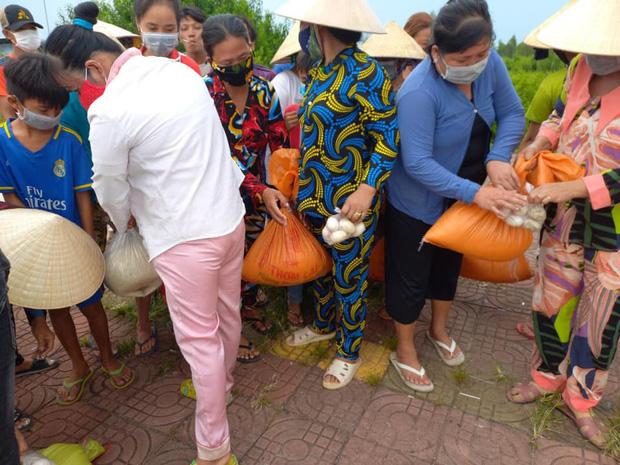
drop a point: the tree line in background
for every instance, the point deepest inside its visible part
(526, 72)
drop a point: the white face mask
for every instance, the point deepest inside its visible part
(37, 120)
(28, 40)
(160, 43)
(464, 74)
(603, 65)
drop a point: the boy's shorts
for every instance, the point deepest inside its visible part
(96, 297)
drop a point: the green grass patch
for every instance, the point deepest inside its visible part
(460, 376)
(390, 343)
(125, 348)
(501, 376)
(374, 379)
(544, 417)
(612, 446)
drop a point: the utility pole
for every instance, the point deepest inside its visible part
(47, 20)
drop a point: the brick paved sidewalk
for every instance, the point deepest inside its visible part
(282, 415)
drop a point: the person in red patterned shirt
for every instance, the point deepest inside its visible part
(250, 113)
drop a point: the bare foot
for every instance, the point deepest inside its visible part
(247, 351)
(121, 379)
(145, 342)
(70, 394)
(295, 318)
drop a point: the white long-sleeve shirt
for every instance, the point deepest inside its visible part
(161, 155)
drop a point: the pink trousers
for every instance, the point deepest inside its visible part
(203, 289)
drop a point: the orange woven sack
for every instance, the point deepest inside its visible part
(478, 233)
(376, 269)
(549, 167)
(514, 271)
(286, 255)
(284, 171)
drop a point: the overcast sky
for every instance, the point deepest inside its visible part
(510, 18)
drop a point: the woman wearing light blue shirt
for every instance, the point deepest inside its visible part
(445, 111)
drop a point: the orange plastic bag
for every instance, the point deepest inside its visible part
(549, 167)
(376, 269)
(284, 171)
(286, 255)
(514, 271)
(478, 233)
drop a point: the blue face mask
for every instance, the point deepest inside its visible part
(304, 40)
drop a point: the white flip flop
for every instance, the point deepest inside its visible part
(305, 336)
(421, 372)
(343, 371)
(451, 362)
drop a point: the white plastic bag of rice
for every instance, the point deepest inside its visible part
(128, 270)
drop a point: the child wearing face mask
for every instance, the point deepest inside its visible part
(158, 22)
(43, 166)
(20, 29)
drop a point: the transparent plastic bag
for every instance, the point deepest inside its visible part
(284, 172)
(32, 457)
(128, 270)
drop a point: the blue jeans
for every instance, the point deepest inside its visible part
(9, 453)
(296, 294)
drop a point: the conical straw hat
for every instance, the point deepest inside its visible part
(290, 46)
(395, 44)
(112, 30)
(54, 263)
(532, 38)
(585, 26)
(352, 15)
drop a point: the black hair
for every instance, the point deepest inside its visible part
(35, 76)
(75, 44)
(344, 36)
(194, 13)
(251, 29)
(461, 24)
(303, 62)
(217, 28)
(140, 7)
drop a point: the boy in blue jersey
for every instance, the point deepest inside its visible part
(43, 165)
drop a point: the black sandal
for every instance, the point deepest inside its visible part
(253, 359)
(22, 421)
(39, 365)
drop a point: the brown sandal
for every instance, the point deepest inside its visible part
(529, 392)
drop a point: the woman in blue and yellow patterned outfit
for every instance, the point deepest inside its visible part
(349, 144)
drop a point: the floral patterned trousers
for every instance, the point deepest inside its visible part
(576, 320)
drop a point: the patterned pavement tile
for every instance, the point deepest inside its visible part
(362, 452)
(293, 440)
(172, 453)
(274, 378)
(157, 405)
(341, 409)
(468, 440)
(412, 427)
(71, 424)
(125, 443)
(556, 453)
